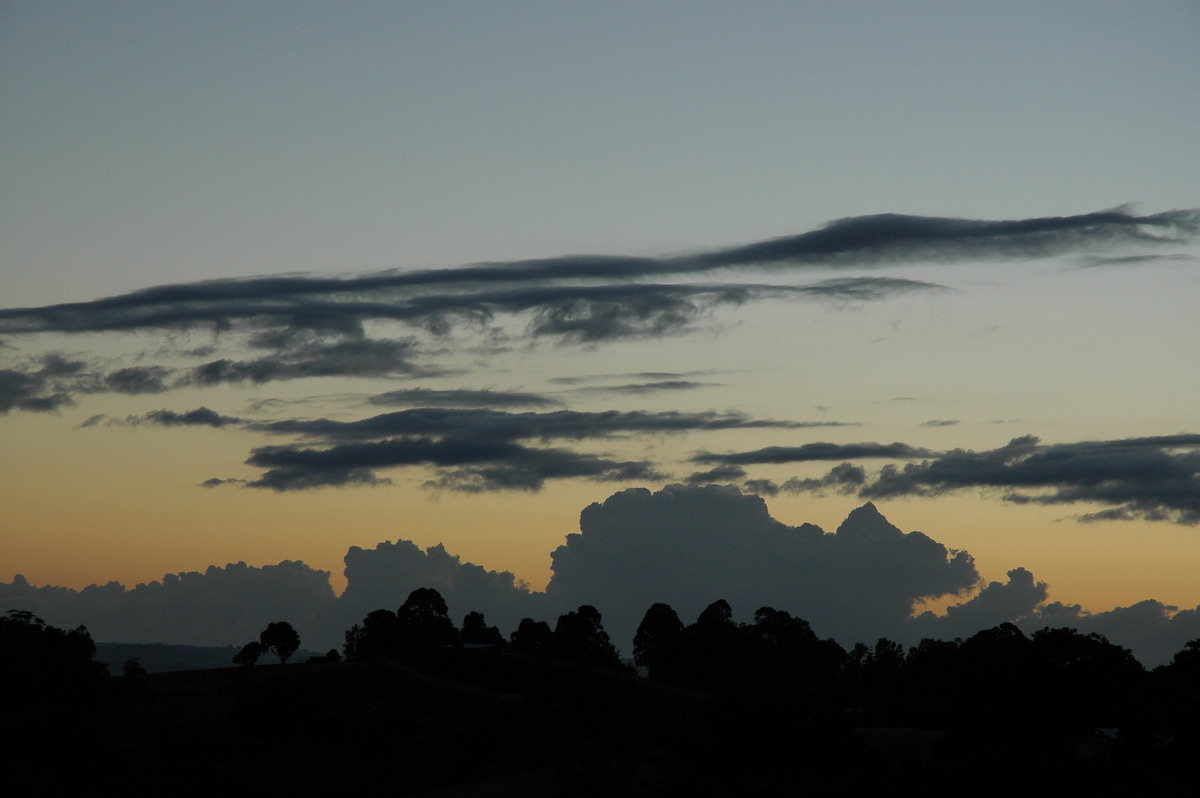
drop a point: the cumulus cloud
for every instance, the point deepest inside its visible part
(688, 546)
(220, 606)
(1153, 630)
(994, 604)
(684, 545)
(383, 577)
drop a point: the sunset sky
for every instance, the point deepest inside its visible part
(281, 279)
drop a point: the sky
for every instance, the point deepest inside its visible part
(279, 280)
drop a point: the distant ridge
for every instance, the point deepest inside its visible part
(165, 657)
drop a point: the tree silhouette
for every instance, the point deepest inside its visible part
(532, 637)
(657, 646)
(579, 636)
(280, 639)
(423, 621)
(378, 636)
(249, 654)
(132, 669)
(422, 624)
(475, 631)
(716, 648)
(42, 664)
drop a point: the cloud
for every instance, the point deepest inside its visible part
(306, 337)
(310, 326)
(487, 424)
(353, 358)
(1154, 478)
(722, 473)
(465, 464)
(220, 606)
(685, 546)
(940, 422)
(201, 416)
(29, 391)
(474, 449)
(216, 482)
(866, 289)
(994, 604)
(844, 478)
(462, 397)
(137, 380)
(622, 307)
(1093, 261)
(41, 385)
(688, 546)
(812, 452)
(643, 388)
(1153, 630)
(383, 577)
(890, 238)
(661, 376)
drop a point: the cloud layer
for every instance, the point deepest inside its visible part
(407, 326)
(1153, 478)
(308, 326)
(684, 546)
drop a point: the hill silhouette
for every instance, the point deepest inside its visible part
(728, 707)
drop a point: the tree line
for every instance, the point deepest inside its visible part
(999, 681)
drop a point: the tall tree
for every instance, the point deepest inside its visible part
(579, 635)
(423, 621)
(657, 646)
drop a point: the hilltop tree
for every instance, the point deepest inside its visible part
(280, 639)
(424, 621)
(422, 624)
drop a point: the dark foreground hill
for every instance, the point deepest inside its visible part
(491, 722)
